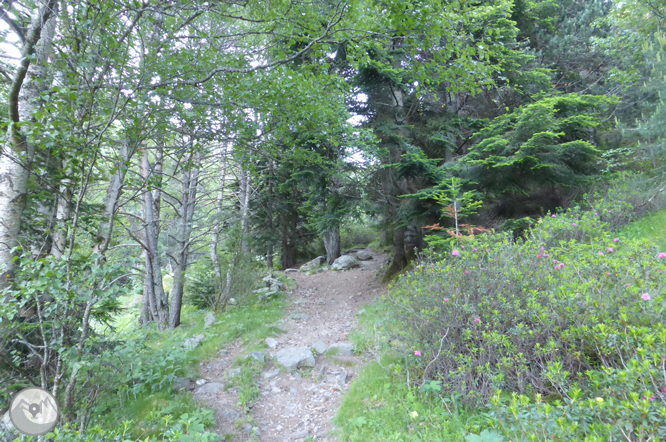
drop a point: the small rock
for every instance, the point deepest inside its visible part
(276, 390)
(201, 381)
(247, 428)
(193, 342)
(209, 320)
(298, 376)
(230, 415)
(360, 312)
(259, 356)
(234, 372)
(291, 270)
(211, 388)
(293, 391)
(272, 374)
(292, 358)
(181, 383)
(299, 435)
(300, 316)
(319, 347)
(342, 377)
(271, 343)
(363, 255)
(341, 349)
(232, 301)
(224, 352)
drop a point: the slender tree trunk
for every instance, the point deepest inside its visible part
(190, 181)
(63, 212)
(23, 96)
(245, 191)
(215, 239)
(157, 298)
(113, 193)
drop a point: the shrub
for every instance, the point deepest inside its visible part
(356, 234)
(570, 309)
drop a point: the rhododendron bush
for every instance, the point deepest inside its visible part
(571, 315)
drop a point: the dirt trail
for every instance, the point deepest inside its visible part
(302, 404)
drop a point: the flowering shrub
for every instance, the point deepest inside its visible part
(569, 315)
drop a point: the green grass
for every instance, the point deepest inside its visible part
(651, 227)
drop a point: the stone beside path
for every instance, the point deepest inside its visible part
(306, 370)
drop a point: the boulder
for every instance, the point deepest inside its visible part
(259, 356)
(181, 383)
(345, 262)
(314, 264)
(210, 388)
(209, 320)
(363, 255)
(193, 342)
(295, 357)
(341, 349)
(319, 347)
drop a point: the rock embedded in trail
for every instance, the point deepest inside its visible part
(272, 374)
(363, 255)
(181, 383)
(295, 357)
(319, 347)
(300, 316)
(314, 264)
(209, 320)
(341, 349)
(210, 388)
(193, 342)
(259, 356)
(345, 262)
(271, 343)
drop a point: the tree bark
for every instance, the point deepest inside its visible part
(15, 162)
(63, 212)
(113, 193)
(216, 229)
(245, 191)
(332, 245)
(156, 297)
(190, 182)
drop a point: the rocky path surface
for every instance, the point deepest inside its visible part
(298, 404)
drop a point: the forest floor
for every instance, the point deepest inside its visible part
(299, 405)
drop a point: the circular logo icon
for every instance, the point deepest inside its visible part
(34, 411)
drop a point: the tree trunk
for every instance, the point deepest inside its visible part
(113, 192)
(332, 245)
(157, 298)
(399, 256)
(190, 182)
(23, 100)
(63, 212)
(216, 229)
(245, 191)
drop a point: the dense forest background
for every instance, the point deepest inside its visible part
(171, 150)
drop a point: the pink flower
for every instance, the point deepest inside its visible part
(659, 271)
(661, 255)
(557, 267)
(466, 272)
(617, 240)
(539, 255)
(664, 390)
(573, 224)
(610, 250)
(607, 274)
(553, 216)
(455, 253)
(555, 261)
(627, 285)
(601, 253)
(488, 250)
(596, 214)
(417, 353)
(541, 248)
(653, 398)
(462, 247)
(477, 320)
(577, 295)
(645, 297)
(609, 211)
(446, 299)
(474, 249)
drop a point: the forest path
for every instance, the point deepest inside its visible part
(300, 405)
